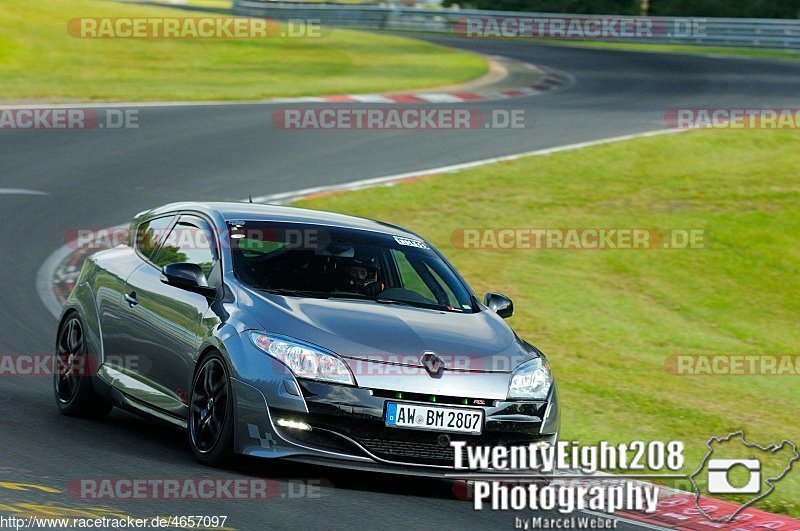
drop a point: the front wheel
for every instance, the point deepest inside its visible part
(72, 380)
(211, 413)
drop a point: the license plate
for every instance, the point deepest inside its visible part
(434, 418)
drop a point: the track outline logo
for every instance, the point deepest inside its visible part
(769, 481)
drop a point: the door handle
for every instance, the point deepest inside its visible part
(131, 299)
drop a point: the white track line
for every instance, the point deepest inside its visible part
(285, 197)
(20, 191)
(142, 104)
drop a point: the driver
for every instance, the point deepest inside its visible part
(357, 275)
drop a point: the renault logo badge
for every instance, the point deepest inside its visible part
(433, 364)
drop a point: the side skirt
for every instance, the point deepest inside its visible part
(134, 393)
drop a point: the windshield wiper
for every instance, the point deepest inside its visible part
(348, 295)
(412, 304)
(355, 296)
(296, 293)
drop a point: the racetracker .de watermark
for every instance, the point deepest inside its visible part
(585, 238)
(66, 119)
(396, 118)
(733, 365)
(62, 364)
(193, 489)
(733, 118)
(190, 238)
(580, 27)
(192, 28)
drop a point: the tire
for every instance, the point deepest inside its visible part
(211, 412)
(72, 378)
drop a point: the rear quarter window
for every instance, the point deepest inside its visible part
(150, 234)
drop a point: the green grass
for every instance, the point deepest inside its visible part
(39, 60)
(609, 319)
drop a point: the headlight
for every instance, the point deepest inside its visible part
(531, 380)
(304, 361)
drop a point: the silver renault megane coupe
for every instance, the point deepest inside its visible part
(280, 332)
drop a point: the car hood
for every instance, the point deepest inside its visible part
(390, 333)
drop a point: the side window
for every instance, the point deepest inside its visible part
(150, 234)
(190, 241)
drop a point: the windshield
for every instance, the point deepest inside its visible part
(324, 262)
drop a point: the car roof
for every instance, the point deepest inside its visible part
(278, 213)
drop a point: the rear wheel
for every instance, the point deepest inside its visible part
(73, 388)
(211, 413)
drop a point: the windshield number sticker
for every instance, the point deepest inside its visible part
(408, 242)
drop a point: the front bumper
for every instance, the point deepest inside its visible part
(347, 427)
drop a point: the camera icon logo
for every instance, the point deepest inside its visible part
(719, 481)
(749, 469)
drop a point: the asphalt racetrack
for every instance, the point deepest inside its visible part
(99, 178)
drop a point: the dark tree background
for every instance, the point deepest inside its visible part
(676, 8)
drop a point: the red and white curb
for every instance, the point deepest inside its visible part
(548, 80)
(677, 509)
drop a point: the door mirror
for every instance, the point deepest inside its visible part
(500, 304)
(189, 277)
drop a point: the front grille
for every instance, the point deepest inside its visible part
(411, 446)
(418, 447)
(436, 399)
